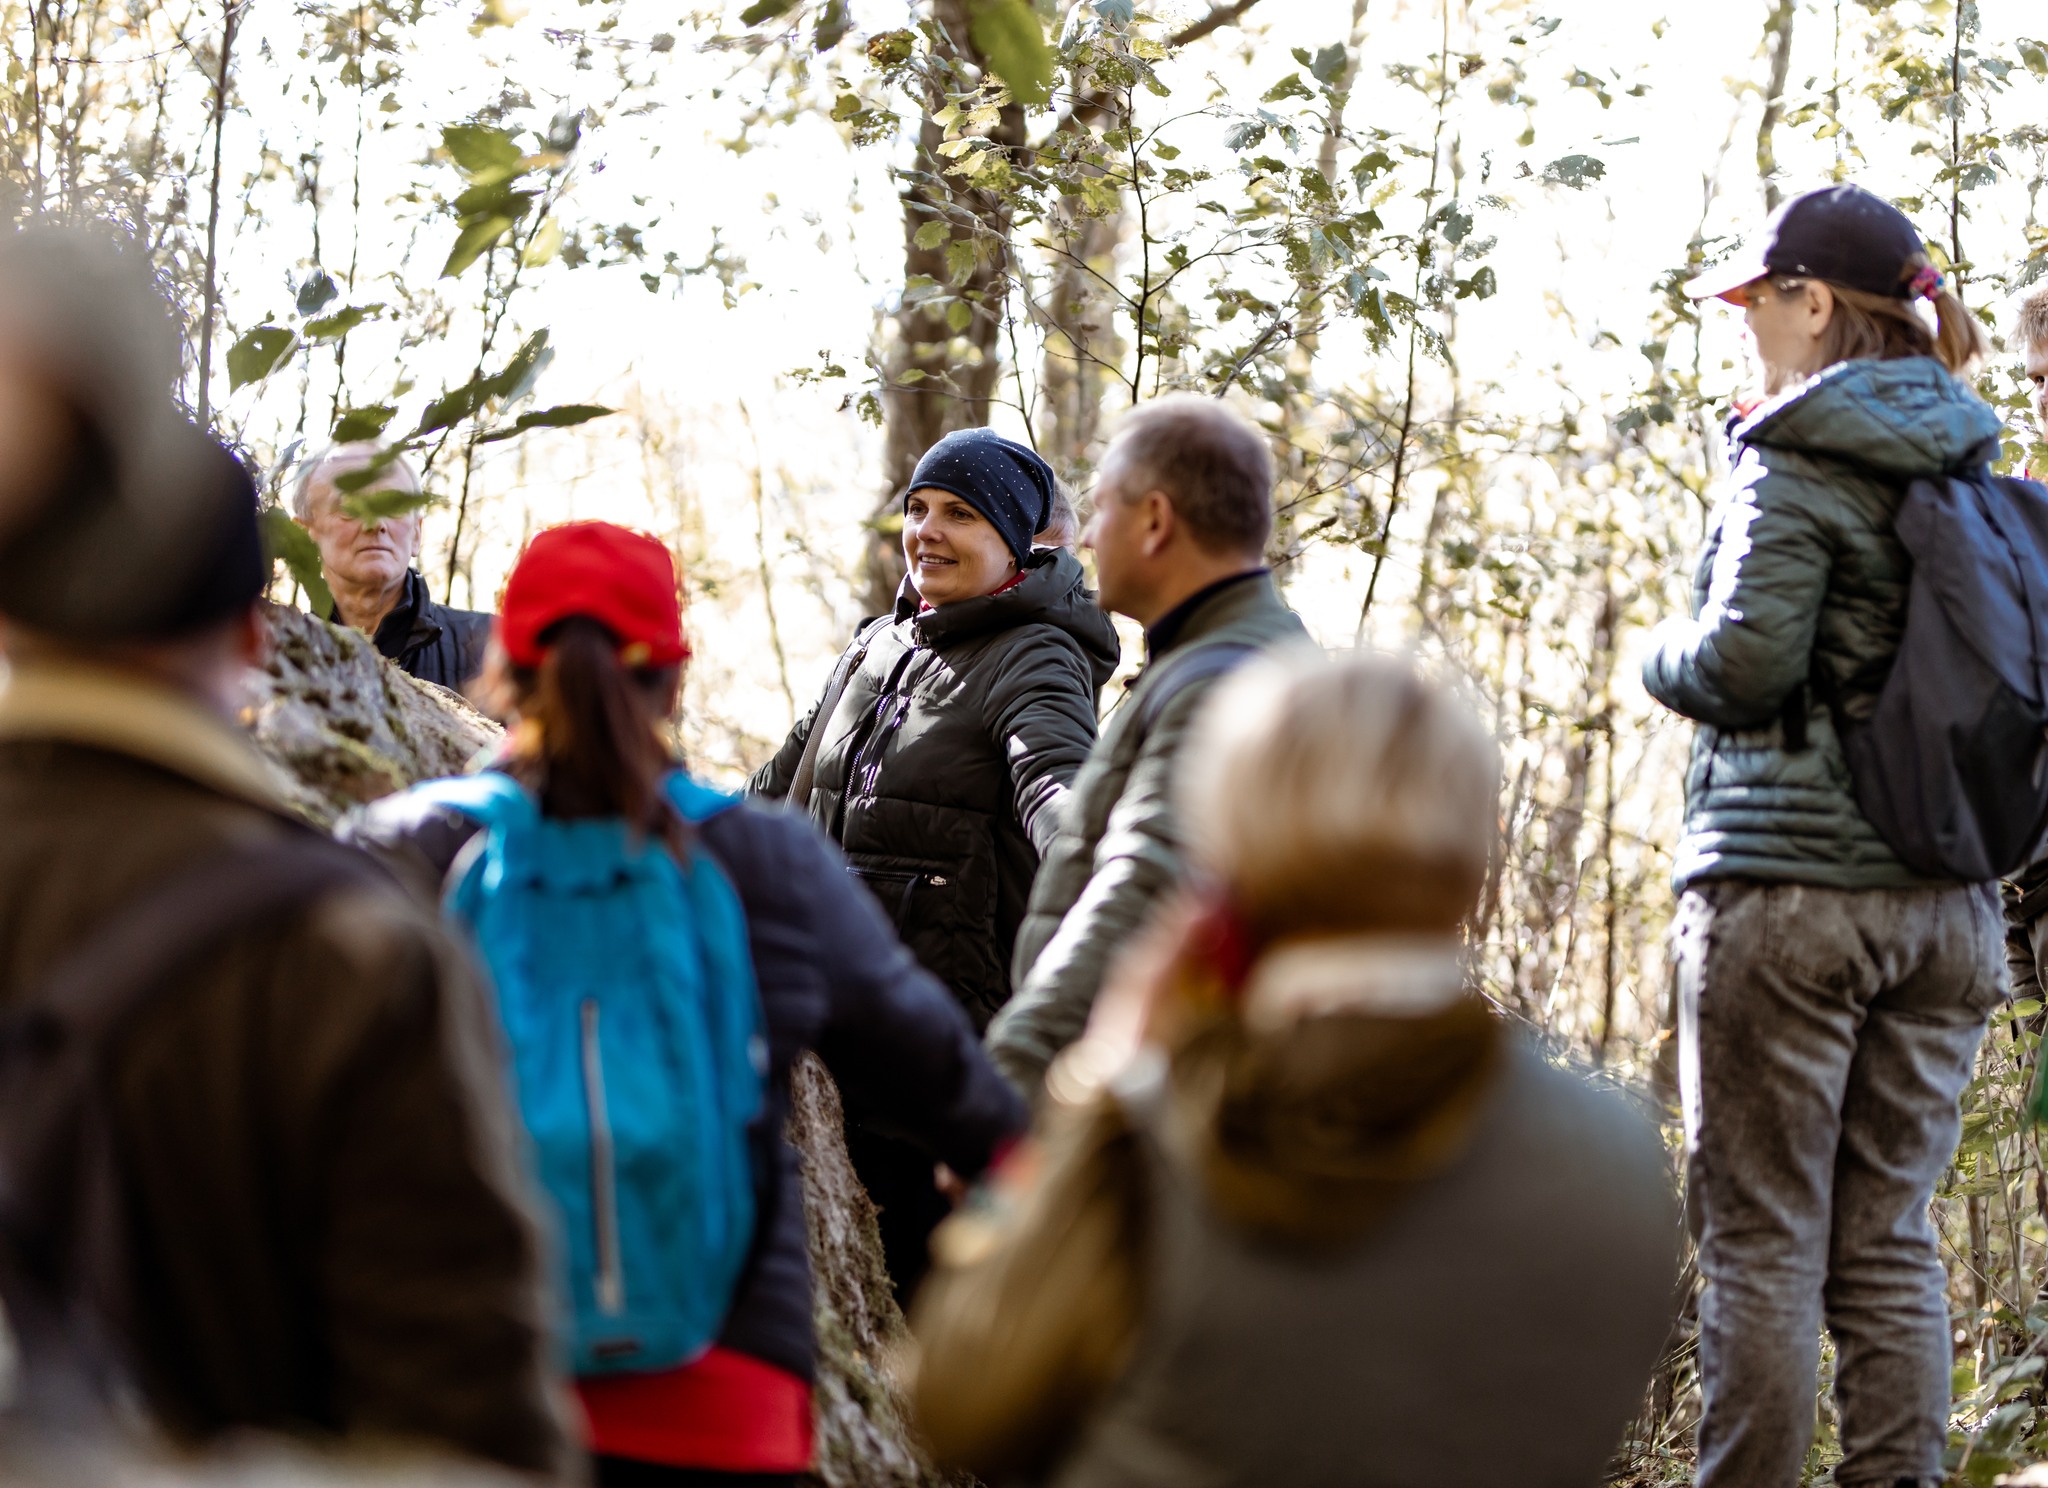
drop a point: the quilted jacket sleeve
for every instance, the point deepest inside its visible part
(1762, 580)
(1137, 859)
(1040, 712)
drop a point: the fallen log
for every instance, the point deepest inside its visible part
(344, 727)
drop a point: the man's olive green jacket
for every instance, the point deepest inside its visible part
(1803, 586)
(1118, 848)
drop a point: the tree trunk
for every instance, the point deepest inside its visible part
(935, 378)
(344, 727)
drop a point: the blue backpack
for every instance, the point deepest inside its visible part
(627, 993)
(1952, 766)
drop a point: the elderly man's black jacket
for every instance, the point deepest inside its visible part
(433, 642)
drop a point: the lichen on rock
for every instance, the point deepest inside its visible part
(346, 727)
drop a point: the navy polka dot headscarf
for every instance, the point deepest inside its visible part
(1005, 481)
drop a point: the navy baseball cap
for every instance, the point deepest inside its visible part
(1842, 234)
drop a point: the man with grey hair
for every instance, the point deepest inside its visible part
(369, 568)
(1183, 509)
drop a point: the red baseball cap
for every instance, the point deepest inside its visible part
(624, 580)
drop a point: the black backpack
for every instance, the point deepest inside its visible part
(1952, 766)
(65, 1238)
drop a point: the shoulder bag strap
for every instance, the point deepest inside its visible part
(849, 662)
(1183, 669)
(62, 1239)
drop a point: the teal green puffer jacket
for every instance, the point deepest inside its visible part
(1802, 579)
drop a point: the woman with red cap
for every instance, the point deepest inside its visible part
(588, 666)
(943, 747)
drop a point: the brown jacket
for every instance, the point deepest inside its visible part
(1262, 1251)
(330, 1235)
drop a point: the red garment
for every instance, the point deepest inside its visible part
(1010, 583)
(727, 1412)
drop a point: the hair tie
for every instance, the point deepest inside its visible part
(1222, 940)
(1926, 284)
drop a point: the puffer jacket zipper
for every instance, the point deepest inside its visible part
(609, 1284)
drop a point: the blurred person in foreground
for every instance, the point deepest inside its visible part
(369, 568)
(1183, 508)
(1300, 1198)
(272, 1185)
(589, 666)
(2026, 897)
(940, 755)
(1831, 998)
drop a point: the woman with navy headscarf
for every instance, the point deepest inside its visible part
(944, 743)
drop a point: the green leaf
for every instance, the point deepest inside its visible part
(1243, 136)
(561, 416)
(1575, 171)
(473, 242)
(959, 316)
(358, 424)
(493, 199)
(383, 503)
(960, 260)
(2035, 55)
(334, 327)
(286, 542)
(1290, 86)
(765, 10)
(1009, 35)
(451, 408)
(257, 354)
(1329, 64)
(318, 290)
(482, 151)
(545, 243)
(932, 234)
(520, 374)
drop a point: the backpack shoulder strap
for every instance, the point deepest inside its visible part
(61, 1235)
(96, 988)
(490, 797)
(695, 801)
(849, 662)
(1184, 669)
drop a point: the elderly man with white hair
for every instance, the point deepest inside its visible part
(369, 569)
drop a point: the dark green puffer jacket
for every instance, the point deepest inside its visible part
(1803, 582)
(947, 760)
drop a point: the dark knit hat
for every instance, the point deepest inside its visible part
(145, 528)
(1005, 481)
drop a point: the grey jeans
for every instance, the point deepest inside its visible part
(1825, 1038)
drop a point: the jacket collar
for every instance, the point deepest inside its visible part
(106, 708)
(1211, 609)
(1165, 632)
(411, 626)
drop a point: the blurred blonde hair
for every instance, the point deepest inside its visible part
(1342, 795)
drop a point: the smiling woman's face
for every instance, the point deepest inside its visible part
(953, 551)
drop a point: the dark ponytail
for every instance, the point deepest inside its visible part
(589, 741)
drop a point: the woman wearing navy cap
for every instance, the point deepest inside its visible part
(1831, 995)
(943, 745)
